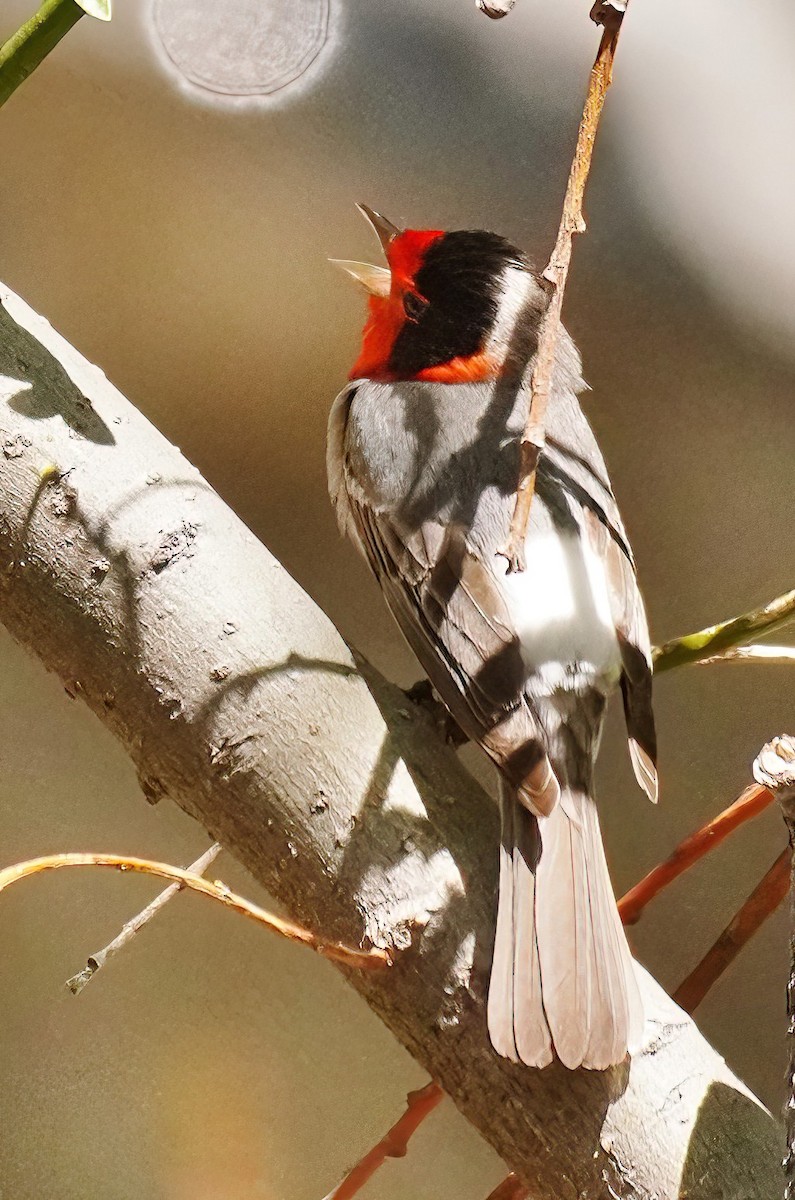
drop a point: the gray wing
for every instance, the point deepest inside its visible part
(453, 617)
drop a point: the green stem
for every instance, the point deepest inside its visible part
(707, 642)
(25, 49)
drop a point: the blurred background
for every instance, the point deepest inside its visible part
(172, 186)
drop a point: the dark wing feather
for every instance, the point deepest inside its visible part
(450, 610)
(629, 615)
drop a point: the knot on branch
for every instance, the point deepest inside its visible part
(609, 13)
(495, 8)
(774, 768)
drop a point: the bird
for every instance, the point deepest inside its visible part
(423, 463)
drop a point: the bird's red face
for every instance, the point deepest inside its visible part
(434, 307)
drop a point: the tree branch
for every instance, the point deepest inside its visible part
(96, 961)
(237, 698)
(554, 278)
(394, 1143)
(764, 900)
(359, 959)
(753, 801)
(709, 642)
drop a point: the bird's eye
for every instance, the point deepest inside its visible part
(413, 305)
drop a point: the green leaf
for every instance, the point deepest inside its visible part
(96, 8)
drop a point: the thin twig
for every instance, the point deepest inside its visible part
(766, 654)
(95, 962)
(393, 1144)
(362, 959)
(764, 900)
(25, 49)
(554, 279)
(511, 1188)
(753, 801)
(707, 643)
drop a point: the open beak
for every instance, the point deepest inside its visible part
(376, 280)
(384, 230)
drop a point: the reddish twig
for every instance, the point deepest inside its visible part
(362, 959)
(753, 800)
(511, 1188)
(393, 1144)
(554, 279)
(764, 900)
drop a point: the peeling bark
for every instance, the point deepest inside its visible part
(236, 697)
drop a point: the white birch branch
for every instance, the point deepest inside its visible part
(236, 697)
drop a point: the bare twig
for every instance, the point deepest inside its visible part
(96, 961)
(753, 801)
(709, 642)
(775, 768)
(511, 1188)
(554, 279)
(362, 959)
(766, 654)
(763, 901)
(393, 1144)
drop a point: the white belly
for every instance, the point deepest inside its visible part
(560, 608)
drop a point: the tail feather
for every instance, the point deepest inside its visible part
(531, 1029)
(565, 941)
(517, 1024)
(500, 1002)
(562, 973)
(621, 1003)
